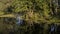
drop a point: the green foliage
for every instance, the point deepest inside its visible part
(31, 11)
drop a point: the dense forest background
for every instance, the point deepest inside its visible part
(35, 13)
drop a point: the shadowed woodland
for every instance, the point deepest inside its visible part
(29, 16)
